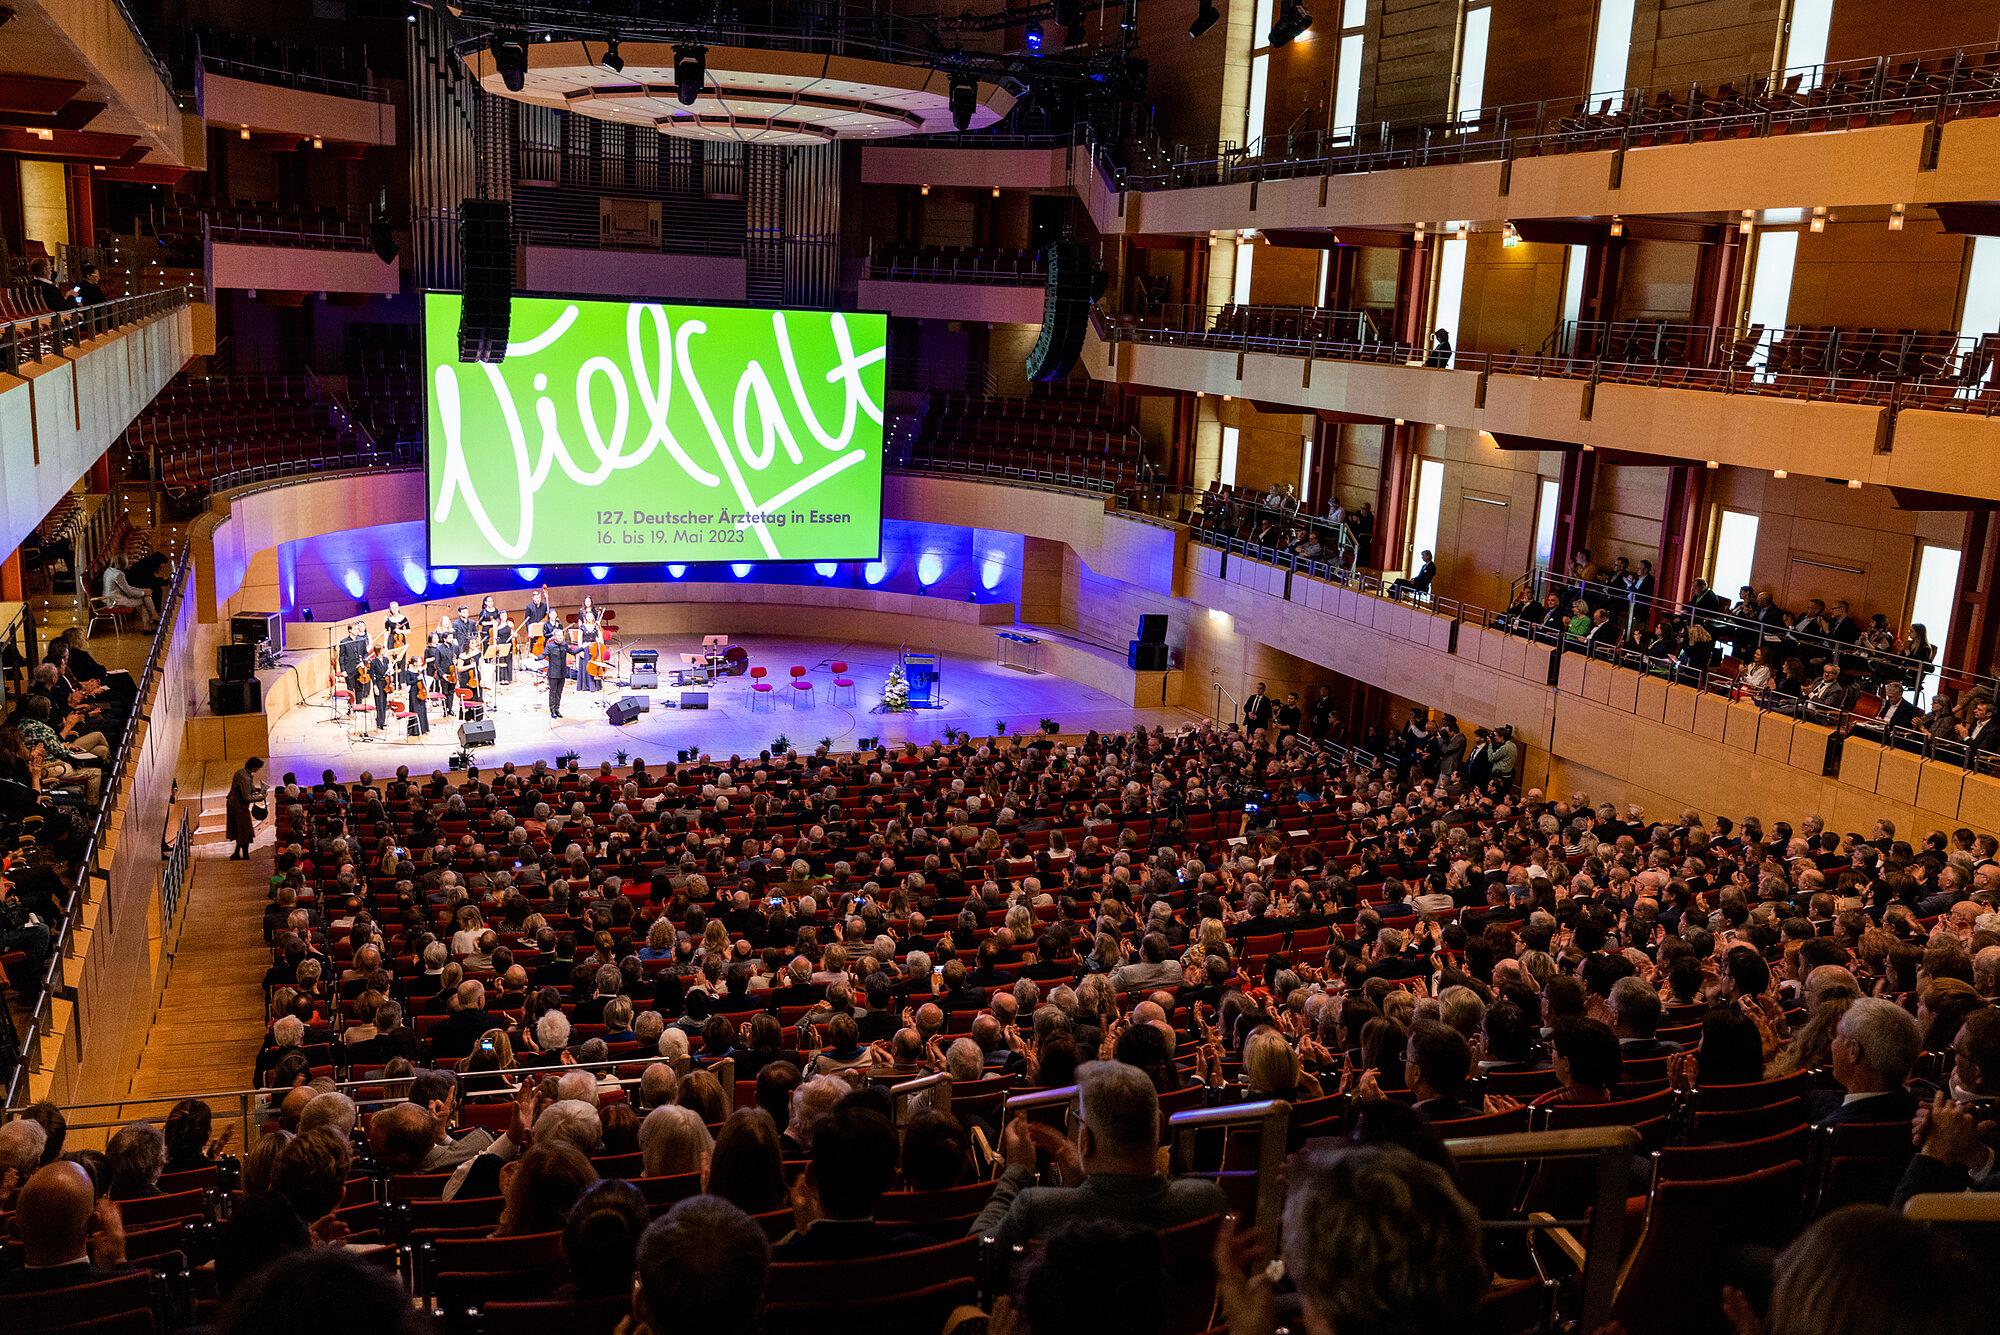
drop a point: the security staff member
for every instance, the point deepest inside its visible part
(557, 654)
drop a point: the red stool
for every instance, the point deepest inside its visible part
(801, 689)
(469, 710)
(841, 682)
(760, 690)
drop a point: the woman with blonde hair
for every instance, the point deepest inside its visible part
(715, 939)
(1271, 1070)
(485, 1065)
(674, 1140)
(470, 924)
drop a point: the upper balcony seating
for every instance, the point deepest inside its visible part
(202, 429)
(260, 222)
(958, 264)
(336, 70)
(1057, 435)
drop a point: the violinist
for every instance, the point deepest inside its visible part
(396, 625)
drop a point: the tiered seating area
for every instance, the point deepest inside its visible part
(203, 428)
(957, 264)
(336, 70)
(1062, 435)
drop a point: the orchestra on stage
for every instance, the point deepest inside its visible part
(466, 659)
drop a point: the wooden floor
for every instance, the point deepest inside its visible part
(210, 1022)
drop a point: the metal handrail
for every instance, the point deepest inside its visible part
(311, 83)
(34, 337)
(1273, 1119)
(1760, 104)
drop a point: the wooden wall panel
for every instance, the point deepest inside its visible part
(1512, 297)
(1862, 28)
(1539, 49)
(1625, 513)
(1412, 66)
(1710, 41)
(1656, 280)
(1860, 274)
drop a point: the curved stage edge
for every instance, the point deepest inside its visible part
(1080, 685)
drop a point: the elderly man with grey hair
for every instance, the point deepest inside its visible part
(334, 1112)
(1874, 1046)
(21, 1145)
(1109, 1165)
(569, 1121)
(658, 1085)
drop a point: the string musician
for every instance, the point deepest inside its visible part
(591, 640)
(502, 652)
(410, 672)
(490, 616)
(350, 653)
(396, 627)
(381, 682)
(440, 658)
(467, 665)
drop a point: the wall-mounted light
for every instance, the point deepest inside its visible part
(1854, 484)
(1464, 231)
(996, 192)
(1896, 218)
(1617, 225)
(317, 143)
(1779, 473)
(923, 190)
(1748, 219)
(1420, 229)
(1714, 464)
(1819, 218)
(243, 133)
(45, 135)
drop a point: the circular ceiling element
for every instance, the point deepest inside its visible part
(750, 95)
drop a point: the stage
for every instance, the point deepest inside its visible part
(309, 737)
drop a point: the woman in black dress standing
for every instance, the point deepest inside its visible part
(246, 790)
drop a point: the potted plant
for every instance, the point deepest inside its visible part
(895, 692)
(1051, 727)
(780, 744)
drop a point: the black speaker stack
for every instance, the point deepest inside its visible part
(486, 244)
(1074, 283)
(235, 697)
(1148, 653)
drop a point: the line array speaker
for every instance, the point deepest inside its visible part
(1074, 282)
(486, 243)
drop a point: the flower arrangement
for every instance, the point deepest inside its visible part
(895, 692)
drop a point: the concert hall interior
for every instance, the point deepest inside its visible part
(1049, 665)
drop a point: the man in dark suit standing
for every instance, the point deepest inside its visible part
(557, 655)
(1257, 710)
(1874, 1047)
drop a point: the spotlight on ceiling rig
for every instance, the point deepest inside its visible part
(1031, 37)
(1291, 22)
(612, 60)
(964, 97)
(510, 57)
(690, 71)
(1204, 18)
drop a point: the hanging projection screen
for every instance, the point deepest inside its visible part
(619, 433)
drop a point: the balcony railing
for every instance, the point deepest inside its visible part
(990, 268)
(1888, 90)
(31, 338)
(1898, 369)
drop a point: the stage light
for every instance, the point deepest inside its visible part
(410, 13)
(826, 569)
(1031, 38)
(1292, 21)
(964, 98)
(382, 240)
(612, 60)
(361, 606)
(444, 574)
(510, 57)
(527, 573)
(600, 572)
(1204, 18)
(740, 570)
(308, 614)
(690, 71)
(677, 571)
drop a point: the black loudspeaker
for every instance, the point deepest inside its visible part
(235, 662)
(476, 733)
(694, 699)
(1074, 283)
(252, 627)
(642, 703)
(486, 245)
(1146, 657)
(621, 713)
(1153, 629)
(645, 669)
(235, 697)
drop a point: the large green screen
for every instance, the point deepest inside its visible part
(619, 432)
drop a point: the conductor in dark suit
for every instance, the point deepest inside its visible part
(557, 654)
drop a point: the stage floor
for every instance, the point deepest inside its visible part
(977, 694)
